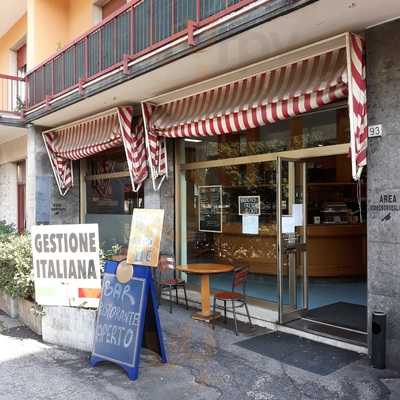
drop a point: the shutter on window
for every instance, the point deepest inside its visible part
(112, 6)
(21, 57)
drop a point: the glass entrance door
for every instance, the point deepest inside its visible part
(291, 238)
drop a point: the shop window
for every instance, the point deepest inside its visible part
(219, 238)
(214, 229)
(110, 199)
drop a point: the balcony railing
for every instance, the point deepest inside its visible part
(140, 27)
(12, 94)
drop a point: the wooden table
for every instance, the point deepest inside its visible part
(204, 270)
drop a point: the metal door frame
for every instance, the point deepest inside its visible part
(297, 313)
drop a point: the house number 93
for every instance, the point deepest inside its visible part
(375, 131)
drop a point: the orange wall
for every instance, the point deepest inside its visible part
(48, 26)
(47, 29)
(80, 17)
(15, 36)
(54, 23)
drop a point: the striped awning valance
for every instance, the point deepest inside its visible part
(265, 98)
(257, 100)
(94, 135)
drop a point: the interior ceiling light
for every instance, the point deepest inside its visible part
(193, 140)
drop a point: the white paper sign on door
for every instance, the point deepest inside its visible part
(250, 224)
(298, 214)
(288, 225)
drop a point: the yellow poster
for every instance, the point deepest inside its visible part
(145, 238)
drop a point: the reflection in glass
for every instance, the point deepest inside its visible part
(110, 201)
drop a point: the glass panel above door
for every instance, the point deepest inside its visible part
(318, 129)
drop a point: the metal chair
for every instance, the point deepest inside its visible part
(239, 281)
(168, 281)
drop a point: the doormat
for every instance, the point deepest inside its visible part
(314, 357)
(346, 315)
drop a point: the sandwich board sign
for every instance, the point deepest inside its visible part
(66, 265)
(127, 318)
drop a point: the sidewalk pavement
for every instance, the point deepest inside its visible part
(203, 364)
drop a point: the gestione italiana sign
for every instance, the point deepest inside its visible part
(127, 318)
(66, 265)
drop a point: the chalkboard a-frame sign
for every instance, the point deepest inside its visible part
(127, 320)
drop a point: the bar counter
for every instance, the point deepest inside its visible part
(337, 250)
(334, 250)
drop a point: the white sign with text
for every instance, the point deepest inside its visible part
(375, 131)
(66, 265)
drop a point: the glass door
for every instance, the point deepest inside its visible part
(291, 238)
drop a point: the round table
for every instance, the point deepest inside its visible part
(204, 270)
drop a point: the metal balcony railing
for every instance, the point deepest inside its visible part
(140, 27)
(12, 94)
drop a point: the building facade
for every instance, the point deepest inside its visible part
(245, 120)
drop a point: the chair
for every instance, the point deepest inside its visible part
(167, 280)
(239, 281)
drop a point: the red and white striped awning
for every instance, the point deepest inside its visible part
(357, 103)
(265, 98)
(93, 135)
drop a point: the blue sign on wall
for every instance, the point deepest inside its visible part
(127, 320)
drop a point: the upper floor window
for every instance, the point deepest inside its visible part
(21, 61)
(111, 6)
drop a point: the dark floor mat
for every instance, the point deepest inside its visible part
(305, 354)
(347, 315)
(331, 332)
